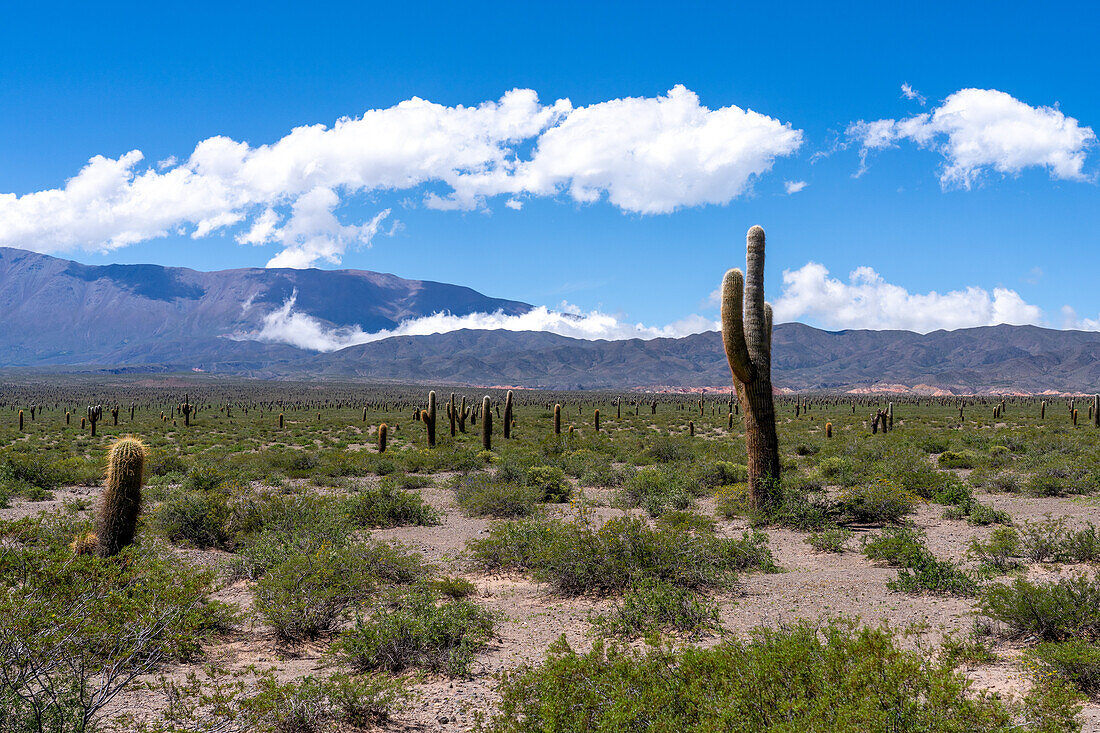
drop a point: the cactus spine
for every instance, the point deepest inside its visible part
(746, 334)
(557, 419)
(383, 432)
(486, 424)
(121, 503)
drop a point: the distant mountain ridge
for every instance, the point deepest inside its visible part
(57, 313)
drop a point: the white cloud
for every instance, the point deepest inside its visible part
(794, 186)
(646, 155)
(1071, 321)
(303, 331)
(979, 130)
(867, 301)
(909, 92)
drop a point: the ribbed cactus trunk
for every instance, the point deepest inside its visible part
(486, 424)
(747, 336)
(118, 512)
(452, 415)
(557, 419)
(383, 433)
(1096, 411)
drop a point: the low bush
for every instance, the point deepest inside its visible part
(386, 505)
(416, 629)
(835, 678)
(480, 495)
(1077, 661)
(834, 539)
(577, 557)
(195, 518)
(919, 570)
(657, 489)
(957, 459)
(999, 551)
(880, 501)
(221, 701)
(1058, 611)
(650, 606)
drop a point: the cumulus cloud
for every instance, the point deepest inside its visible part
(981, 130)
(287, 326)
(645, 155)
(866, 300)
(794, 186)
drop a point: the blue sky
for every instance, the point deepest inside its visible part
(1018, 226)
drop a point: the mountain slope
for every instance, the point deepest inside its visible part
(61, 312)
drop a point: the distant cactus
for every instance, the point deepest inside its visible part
(691, 427)
(186, 409)
(1096, 411)
(828, 430)
(428, 418)
(747, 336)
(114, 415)
(1075, 418)
(463, 413)
(731, 420)
(94, 415)
(280, 421)
(68, 416)
(508, 415)
(121, 503)
(557, 419)
(452, 415)
(20, 421)
(486, 424)
(596, 419)
(383, 431)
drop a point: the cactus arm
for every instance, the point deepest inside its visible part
(768, 327)
(733, 333)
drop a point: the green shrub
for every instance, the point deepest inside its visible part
(932, 575)
(804, 505)
(834, 539)
(880, 501)
(1066, 609)
(957, 459)
(999, 551)
(1051, 482)
(657, 488)
(687, 522)
(650, 606)
(416, 630)
(196, 518)
(220, 701)
(549, 483)
(480, 495)
(1078, 661)
(386, 505)
(576, 557)
(307, 594)
(204, 477)
(834, 678)
(1043, 541)
(77, 630)
(899, 547)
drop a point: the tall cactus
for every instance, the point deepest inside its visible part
(747, 336)
(557, 419)
(486, 424)
(121, 503)
(508, 415)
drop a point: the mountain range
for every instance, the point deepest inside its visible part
(62, 314)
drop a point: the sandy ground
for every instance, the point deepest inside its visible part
(813, 586)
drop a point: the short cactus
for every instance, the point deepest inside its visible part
(828, 430)
(596, 420)
(557, 419)
(121, 503)
(383, 431)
